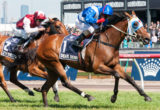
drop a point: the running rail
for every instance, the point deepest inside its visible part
(137, 56)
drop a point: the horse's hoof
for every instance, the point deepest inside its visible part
(148, 99)
(56, 98)
(90, 98)
(31, 93)
(12, 100)
(113, 99)
(46, 105)
(37, 89)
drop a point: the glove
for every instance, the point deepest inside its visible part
(100, 20)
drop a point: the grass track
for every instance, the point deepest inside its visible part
(71, 101)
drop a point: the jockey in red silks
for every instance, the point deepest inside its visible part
(89, 19)
(29, 26)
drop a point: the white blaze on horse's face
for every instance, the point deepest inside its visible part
(134, 24)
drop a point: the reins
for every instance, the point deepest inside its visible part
(126, 33)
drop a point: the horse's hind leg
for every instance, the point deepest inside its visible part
(127, 78)
(65, 82)
(4, 85)
(13, 79)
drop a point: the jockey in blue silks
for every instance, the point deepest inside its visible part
(89, 19)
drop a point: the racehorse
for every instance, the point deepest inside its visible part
(101, 55)
(30, 65)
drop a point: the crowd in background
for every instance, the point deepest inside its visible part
(154, 30)
(73, 30)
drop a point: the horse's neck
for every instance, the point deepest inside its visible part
(114, 36)
(38, 41)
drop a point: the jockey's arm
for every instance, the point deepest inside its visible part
(27, 27)
(90, 16)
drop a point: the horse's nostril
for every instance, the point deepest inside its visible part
(146, 40)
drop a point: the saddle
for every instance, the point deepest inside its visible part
(70, 52)
(13, 46)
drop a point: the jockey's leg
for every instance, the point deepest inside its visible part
(82, 36)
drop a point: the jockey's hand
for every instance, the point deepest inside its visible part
(98, 30)
(41, 29)
(100, 20)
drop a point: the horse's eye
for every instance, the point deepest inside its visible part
(135, 24)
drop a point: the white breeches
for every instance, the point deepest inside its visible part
(22, 33)
(85, 26)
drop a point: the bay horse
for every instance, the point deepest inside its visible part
(30, 65)
(101, 55)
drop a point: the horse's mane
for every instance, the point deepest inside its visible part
(116, 17)
(46, 25)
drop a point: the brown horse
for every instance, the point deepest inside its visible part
(30, 65)
(101, 55)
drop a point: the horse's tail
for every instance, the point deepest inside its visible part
(25, 58)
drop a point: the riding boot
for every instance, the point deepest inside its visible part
(78, 41)
(80, 38)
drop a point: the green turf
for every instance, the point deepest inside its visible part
(71, 101)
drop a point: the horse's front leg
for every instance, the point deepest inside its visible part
(13, 79)
(39, 70)
(127, 78)
(47, 85)
(114, 96)
(103, 69)
(55, 90)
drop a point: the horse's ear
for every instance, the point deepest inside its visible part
(51, 20)
(127, 14)
(133, 13)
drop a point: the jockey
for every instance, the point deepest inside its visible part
(89, 19)
(29, 26)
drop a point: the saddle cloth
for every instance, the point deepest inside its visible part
(9, 47)
(70, 52)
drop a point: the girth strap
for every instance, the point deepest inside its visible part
(104, 43)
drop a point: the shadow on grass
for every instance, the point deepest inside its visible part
(77, 106)
(80, 106)
(19, 101)
(30, 103)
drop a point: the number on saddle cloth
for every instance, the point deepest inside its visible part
(69, 52)
(10, 46)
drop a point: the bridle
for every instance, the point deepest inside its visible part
(133, 34)
(126, 33)
(131, 31)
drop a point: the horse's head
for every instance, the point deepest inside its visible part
(135, 26)
(55, 26)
